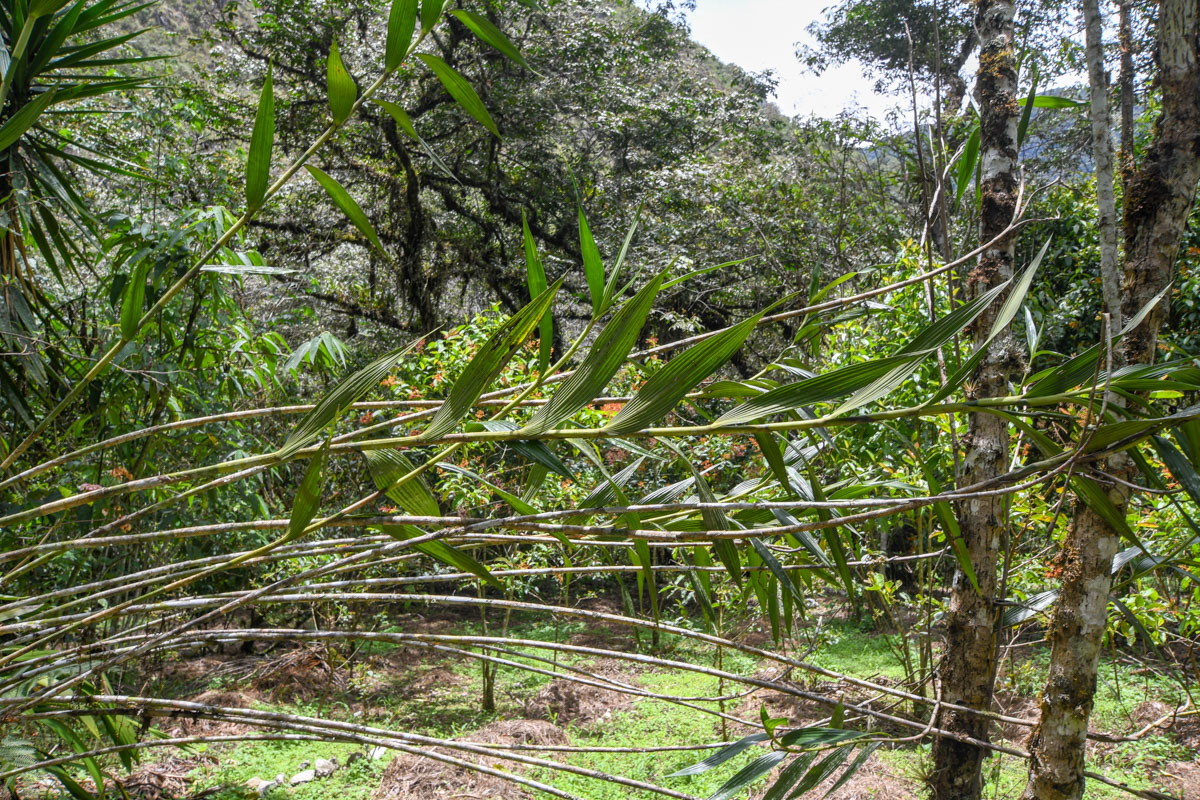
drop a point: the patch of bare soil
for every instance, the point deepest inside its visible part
(162, 779)
(567, 702)
(411, 777)
(1012, 704)
(1181, 778)
(189, 724)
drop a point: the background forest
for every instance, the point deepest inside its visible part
(501, 399)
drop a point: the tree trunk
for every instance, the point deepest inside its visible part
(1160, 193)
(1158, 201)
(1102, 152)
(968, 664)
(1125, 81)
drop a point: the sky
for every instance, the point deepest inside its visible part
(762, 34)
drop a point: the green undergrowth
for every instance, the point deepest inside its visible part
(447, 705)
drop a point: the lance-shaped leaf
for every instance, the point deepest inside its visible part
(536, 278)
(519, 505)
(721, 756)
(348, 205)
(338, 399)
(749, 774)
(604, 492)
(610, 288)
(772, 564)
(1008, 312)
(919, 347)
(339, 85)
(443, 552)
(715, 520)
(537, 452)
(488, 363)
(262, 140)
(1128, 431)
(1078, 369)
(308, 498)
(665, 388)
(482, 27)
(1027, 113)
(1022, 610)
(460, 90)
(1179, 466)
(1098, 500)
(966, 165)
(23, 120)
(134, 299)
(869, 380)
(395, 476)
(405, 124)
(949, 524)
(402, 21)
(593, 267)
(774, 458)
(431, 10)
(605, 357)
(789, 775)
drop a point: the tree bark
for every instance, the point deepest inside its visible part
(1125, 81)
(1102, 153)
(1160, 193)
(1159, 198)
(968, 665)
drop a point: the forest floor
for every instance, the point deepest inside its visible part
(439, 695)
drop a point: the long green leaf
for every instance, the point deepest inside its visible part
(1008, 312)
(749, 774)
(610, 288)
(460, 90)
(389, 470)
(593, 267)
(262, 140)
(134, 299)
(1027, 113)
(605, 357)
(966, 165)
(308, 497)
(340, 86)
(402, 21)
(431, 11)
(341, 397)
(537, 452)
(536, 278)
(665, 388)
(789, 775)
(24, 119)
(482, 27)
(443, 552)
(721, 756)
(348, 205)
(1179, 466)
(488, 363)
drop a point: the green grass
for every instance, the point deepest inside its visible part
(453, 709)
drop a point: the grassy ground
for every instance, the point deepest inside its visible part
(440, 697)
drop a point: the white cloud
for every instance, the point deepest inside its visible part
(762, 34)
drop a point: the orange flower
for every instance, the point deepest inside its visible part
(389, 381)
(610, 409)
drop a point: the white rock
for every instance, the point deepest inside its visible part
(256, 783)
(303, 777)
(378, 753)
(280, 779)
(325, 767)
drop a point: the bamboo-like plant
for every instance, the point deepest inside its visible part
(756, 548)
